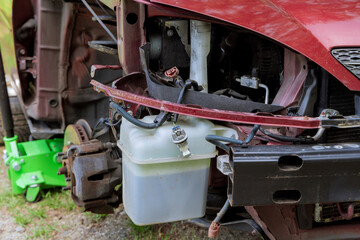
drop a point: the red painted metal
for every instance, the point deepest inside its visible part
(130, 34)
(349, 214)
(47, 51)
(295, 72)
(254, 214)
(135, 82)
(97, 67)
(311, 28)
(281, 222)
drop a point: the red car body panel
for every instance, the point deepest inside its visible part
(311, 28)
(121, 93)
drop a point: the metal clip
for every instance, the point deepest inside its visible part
(180, 139)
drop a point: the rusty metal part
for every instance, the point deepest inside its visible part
(108, 47)
(94, 169)
(62, 171)
(74, 134)
(43, 65)
(99, 20)
(349, 214)
(54, 69)
(95, 68)
(333, 212)
(281, 222)
(124, 91)
(131, 34)
(85, 125)
(213, 231)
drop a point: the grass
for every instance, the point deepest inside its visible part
(42, 231)
(150, 232)
(34, 216)
(58, 200)
(94, 217)
(140, 232)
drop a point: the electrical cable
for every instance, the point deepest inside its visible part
(217, 140)
(186, 86)
(222, 212)
(292, 139)
(159, 120)
(215, 225)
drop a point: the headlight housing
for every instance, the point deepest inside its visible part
(350, 58)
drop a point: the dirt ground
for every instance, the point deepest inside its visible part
(56, 217)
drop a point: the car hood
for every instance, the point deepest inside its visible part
(311, 28)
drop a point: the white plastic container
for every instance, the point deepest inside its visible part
(159, 184)
(200, 33)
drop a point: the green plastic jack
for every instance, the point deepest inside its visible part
(33, 166)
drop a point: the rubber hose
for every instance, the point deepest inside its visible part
(279, 137)
(217, 140)
(7, 119)
(131, 119)
(222, 211)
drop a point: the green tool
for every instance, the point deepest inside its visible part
(33, 166)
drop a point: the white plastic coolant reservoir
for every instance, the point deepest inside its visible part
(159, 184)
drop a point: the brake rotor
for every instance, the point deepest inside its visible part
(86, 126)
(74, 134)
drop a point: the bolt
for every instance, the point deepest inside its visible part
(22, 161)
(93, 71)
(170, 33)
(62, 171)
(130, 112)
(22, 51)
(68, 179)
(16, 166)
(59, 154)
(34, 177)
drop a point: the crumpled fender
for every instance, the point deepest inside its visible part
(311, 28)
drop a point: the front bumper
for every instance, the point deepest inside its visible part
(294, 174)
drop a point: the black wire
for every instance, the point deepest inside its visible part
(157, 122)
(130, 118)
(186, 86)
(217, 140)
(107, 122)
(102, 130)
(286, 138)
(213, 140)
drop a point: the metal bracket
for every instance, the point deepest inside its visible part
(332, 118)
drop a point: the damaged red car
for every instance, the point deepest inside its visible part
(241, 114)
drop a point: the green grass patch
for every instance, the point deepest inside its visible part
(34, 216)
(142, 232)
(152, 232)
(42, 231)
(94, 217)
(57, 200)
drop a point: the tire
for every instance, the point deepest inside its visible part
(21, 127)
